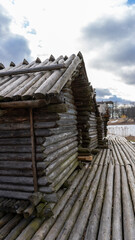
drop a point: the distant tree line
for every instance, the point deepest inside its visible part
(117, 111)
(129, 112)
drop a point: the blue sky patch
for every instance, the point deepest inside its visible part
(130, 2)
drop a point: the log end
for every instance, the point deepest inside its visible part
(12, 64)
(51, 58)
(25, 62)
(1, 66)
(38, 60)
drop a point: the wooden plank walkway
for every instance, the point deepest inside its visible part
(99, 204)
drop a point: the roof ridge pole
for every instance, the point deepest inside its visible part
(32, 70)
(34, 169)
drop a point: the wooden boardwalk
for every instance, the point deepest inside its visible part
(99, 204)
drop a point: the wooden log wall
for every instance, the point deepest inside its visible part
(102, 121)
(100, 204)
(86, 114)
(61, 149)
(100, 127)
(16, 178)
(56, 148)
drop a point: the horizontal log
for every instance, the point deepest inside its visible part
(12, 172)
(14, 194)
(26, 133)
(62, 129)
(20, 149)
(46, 189)
(13, 187)
(19, 133)
(54, 147)
(56, 163)
(26, 125)
(45, 117)
(12, 164)
(60, 152)
(65, 116)
(9, 118)
(56, 108)
(67, 122)
(68, 96)
(15, 141)
(59, 137)
(19, 157)
(71, 111)
(22, 113)
(62, 167)
(20, 141)
(24, 104)
(16, 180)
(45, 125)
(23, 180)
(50, 98)
(32, 70)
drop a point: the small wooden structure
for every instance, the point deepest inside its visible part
(47, 110)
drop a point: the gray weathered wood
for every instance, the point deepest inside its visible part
(32, 70)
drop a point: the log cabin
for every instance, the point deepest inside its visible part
(48, 116)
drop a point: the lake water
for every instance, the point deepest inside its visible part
(122, 130)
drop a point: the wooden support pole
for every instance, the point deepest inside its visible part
(33, 151)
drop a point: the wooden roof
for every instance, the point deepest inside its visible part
(25, 85)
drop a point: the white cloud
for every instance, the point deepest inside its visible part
(12, 46)
(55, 27)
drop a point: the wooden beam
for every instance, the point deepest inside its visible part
(32, 70)
(33, 152)
(24, 104)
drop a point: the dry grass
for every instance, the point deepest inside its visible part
(130, 138)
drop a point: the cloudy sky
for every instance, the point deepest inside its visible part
(103, 30)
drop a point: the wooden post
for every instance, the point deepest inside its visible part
(33, 151)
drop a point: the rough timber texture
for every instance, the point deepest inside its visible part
(56, 149)
(36, 85)
(44, 117)
(99, 204)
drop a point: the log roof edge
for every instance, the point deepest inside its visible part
(33, 85)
